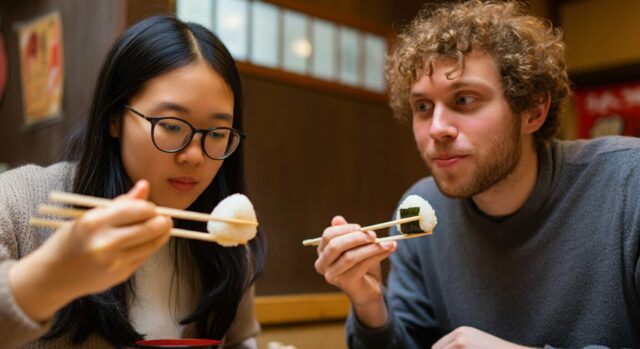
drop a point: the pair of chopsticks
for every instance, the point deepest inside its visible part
(90, 201)
(316, 241)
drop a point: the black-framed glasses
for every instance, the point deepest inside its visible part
(171, 135)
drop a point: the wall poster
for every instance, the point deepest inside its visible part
(41, 68)
(608, 110)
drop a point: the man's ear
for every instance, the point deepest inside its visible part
(115, 125)
(535, 117)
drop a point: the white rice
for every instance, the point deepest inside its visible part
(229, 234)
(428, 218)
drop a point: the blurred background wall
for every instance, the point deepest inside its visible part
(314, 150)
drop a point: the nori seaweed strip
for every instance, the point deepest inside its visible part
(411, 227)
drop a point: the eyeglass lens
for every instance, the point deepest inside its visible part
(173, 134)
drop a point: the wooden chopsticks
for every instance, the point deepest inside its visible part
(90, 201)
(316, 241)
(175, 232)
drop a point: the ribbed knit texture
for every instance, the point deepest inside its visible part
(21, 191)
(560, 272)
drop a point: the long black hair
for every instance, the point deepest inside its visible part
(148, 49)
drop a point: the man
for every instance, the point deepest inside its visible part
(537, 241)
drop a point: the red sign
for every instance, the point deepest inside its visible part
(608, 110)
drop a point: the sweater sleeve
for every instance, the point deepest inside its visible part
(633, 201)
(411, 321)
(17, 327)
(360, 336)
(245, 328)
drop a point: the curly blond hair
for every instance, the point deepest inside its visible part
(528, 51)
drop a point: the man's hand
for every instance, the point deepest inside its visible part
(348, 259)
(468, 337)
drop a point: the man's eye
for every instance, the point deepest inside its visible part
(464, 100)
(423, 106)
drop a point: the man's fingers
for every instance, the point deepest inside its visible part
(338, 220)
(334, 231)
(338, 230)
(356, 263)
(341, 244)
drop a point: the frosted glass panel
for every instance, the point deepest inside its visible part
(297, 48)
(197, 11)
(275, 37)
(375, 49)
(349, 55)
(264, 34)
(231, 26)
(324, 50)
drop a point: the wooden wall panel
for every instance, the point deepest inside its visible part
(311, 156)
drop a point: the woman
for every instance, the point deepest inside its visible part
(164, 128)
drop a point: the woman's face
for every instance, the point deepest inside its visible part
(194, 93)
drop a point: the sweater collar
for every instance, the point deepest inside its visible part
(519, 226)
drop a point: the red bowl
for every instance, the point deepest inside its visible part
(179, 343)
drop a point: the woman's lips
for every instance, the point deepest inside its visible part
(183, 184)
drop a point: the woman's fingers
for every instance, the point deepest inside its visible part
(131, 258)
(120, 213)
(126, 209)
(140, 191)
(126, 237)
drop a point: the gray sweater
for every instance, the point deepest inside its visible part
(561, 272)
(21, 191)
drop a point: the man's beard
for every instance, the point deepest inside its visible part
(499, 162)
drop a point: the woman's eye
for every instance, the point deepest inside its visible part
(170, 127)
(218, 134)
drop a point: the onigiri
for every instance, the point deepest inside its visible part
(235, 206)
(427, 220)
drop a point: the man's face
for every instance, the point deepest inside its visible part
(464, 127)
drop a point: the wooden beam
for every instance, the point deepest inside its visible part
(296, 308)
(309, 82)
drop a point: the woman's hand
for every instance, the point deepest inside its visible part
(348, 259)
(99, 250)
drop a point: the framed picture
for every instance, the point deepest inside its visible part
(41, 68)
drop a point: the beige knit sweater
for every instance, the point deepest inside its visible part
(21, 191)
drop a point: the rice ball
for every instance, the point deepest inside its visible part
(428, 218)
(226, 234)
